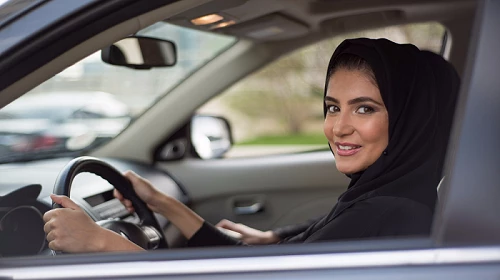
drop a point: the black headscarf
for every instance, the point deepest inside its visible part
(419, 90)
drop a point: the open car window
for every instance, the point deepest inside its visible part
(110, 97)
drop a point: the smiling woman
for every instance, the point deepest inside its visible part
(272, 191)
(382, 148)
(282, 101)
(386, 106)
(356, 122)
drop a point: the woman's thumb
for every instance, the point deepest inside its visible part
(64, 201)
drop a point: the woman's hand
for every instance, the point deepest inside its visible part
(71, 230)
(250, 235)
(144, 189)
(177, 213)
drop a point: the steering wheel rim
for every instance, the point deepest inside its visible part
(119, 182)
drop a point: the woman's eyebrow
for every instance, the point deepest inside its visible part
(363, 99)
(329, 98)
(354, 101)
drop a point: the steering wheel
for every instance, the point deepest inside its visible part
(147, 233)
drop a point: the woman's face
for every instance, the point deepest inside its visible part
(357, 122)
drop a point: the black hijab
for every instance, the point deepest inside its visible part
(419, 89)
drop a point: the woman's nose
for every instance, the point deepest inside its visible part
(343, 125)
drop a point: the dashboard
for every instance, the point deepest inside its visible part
(24, 198)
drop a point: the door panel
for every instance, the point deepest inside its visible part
(280, 208)
(289, 188)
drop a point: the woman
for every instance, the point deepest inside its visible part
(445, 80)
(388, 113)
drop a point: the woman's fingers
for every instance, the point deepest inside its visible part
(48, 223)
(71, 229)
(248, 234)
(54, 245)
(64, 201)
(51, 235)
(226, 224)
(127, 203)
(117, 194)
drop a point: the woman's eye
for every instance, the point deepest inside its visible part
(365, 110)
(332, 109)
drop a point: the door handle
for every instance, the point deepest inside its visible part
(249, 209)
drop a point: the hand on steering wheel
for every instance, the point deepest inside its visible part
(69, 228)
(144, 190)
(147, 234)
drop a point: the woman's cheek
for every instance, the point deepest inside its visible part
(375, 133)
(328, 128)
(378, 129)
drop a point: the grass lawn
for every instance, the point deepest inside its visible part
(301, 139)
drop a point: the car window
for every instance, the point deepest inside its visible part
(282, 102)
(91, 89)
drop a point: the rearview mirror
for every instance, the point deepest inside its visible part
(210, 136)
(140, 53)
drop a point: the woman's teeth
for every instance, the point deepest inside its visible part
(347, 147)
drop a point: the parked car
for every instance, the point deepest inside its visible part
(38, 39)
(59, 122)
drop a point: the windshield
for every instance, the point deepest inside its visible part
(91, 102)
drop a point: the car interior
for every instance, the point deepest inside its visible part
(263, 192)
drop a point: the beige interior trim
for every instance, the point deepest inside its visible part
(214, 178)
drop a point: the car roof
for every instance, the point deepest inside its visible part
(264, 20)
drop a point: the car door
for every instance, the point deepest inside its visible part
(262, 192)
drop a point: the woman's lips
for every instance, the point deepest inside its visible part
(347, 149)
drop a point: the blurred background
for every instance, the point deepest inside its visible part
(277, 109)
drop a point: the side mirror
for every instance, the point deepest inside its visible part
(140, 53)
(210, 136)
